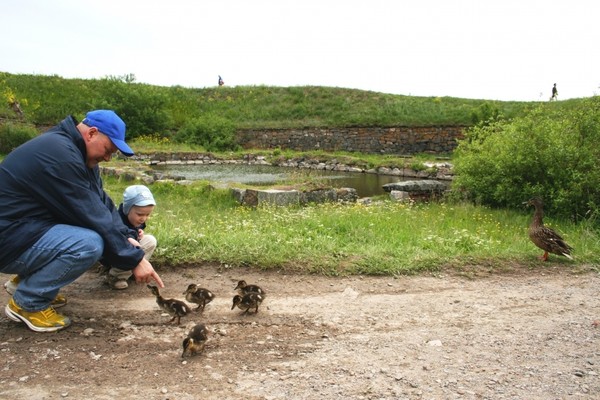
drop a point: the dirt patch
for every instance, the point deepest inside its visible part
(524, 335)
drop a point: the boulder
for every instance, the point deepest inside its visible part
(416, 190)
(417, 186)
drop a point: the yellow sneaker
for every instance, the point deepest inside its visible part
(11, 284)
(47, 320)
(11, 288)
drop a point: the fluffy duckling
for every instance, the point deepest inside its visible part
(247, 301)
(198, 295)
(195, 340)
(176, 308)
(544, 237)
(243, 288)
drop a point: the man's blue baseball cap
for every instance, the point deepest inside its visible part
(110, 124)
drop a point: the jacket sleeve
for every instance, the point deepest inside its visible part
(75, 196)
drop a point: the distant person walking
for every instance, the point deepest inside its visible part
(554, 93)
(221, 83)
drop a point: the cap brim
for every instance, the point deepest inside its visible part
(122, 146)
(144, 203)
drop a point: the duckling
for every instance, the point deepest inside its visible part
(195, 340)
(543, 237)
(198, 295)
(176, 308)
(248, 301)
(243, 288)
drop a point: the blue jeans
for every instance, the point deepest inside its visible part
(62, 255)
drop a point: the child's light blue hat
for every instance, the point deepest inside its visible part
(137, 195)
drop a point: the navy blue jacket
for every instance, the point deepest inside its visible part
(46, 182)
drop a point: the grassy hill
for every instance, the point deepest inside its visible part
(161, 110)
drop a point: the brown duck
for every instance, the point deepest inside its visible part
(198, 295)
(195, 340)
(543, 237)
(243, 288)
(175, 308)
(248, 301)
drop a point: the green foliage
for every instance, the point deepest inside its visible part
(143, 107)
(46, 100)
(151, 109)
(485, 114)
(14, 135)
(549, 152)
(212, 132)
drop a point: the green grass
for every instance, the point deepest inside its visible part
(149, 109)
(194, 224)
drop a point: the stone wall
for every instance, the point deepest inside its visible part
(395, 140)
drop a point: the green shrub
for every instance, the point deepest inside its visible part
(485, 114)
(550, 152)
(14, 135)
(141, 106)
(210, 131)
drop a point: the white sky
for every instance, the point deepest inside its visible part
(496, 50)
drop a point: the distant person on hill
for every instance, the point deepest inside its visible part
(221, 83)
(554, 93)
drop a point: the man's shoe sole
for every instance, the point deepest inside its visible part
(18, 318)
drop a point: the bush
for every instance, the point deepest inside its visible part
(485, 114)
(14, 135)
(141, 106)
(210, 131)
(552, 153)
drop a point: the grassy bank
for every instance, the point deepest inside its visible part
(149, 109)
(195, 224)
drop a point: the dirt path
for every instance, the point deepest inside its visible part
(527, 335)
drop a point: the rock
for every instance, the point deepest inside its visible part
(417, 190)
(399, 195)
(238, 194)
(319, 196)
(347, 195)
(417, 186)
(277, 197)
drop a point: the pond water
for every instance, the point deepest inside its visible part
(366, 185)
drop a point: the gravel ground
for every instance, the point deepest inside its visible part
(523, 334)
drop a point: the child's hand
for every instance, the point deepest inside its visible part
(134, 242)
(140, 233)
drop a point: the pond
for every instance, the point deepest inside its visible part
(366, 185)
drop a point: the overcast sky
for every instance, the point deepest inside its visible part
(497, 50)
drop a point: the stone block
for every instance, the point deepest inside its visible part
(399, 196)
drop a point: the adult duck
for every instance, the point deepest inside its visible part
(543, 237)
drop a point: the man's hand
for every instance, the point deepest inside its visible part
(145, 273)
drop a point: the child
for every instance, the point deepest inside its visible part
(138, 204)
